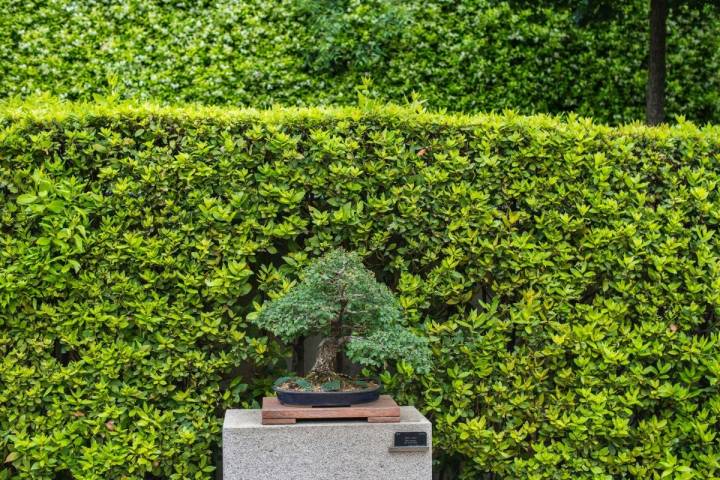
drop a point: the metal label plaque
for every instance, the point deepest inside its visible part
(410, 439)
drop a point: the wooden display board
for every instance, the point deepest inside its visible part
(382, 410)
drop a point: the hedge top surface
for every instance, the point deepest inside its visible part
(45, 108)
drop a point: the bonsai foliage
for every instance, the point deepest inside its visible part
(341, 300)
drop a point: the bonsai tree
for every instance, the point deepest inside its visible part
(340, 299)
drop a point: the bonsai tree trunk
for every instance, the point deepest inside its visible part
(325, 362)
(655, 102)
(328, 355)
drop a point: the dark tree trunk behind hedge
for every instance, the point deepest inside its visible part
(655, 103)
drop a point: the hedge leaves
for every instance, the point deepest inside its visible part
(566, 275)
(461, 55)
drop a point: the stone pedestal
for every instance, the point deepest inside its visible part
(325, 450)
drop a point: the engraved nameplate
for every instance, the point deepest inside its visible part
(410, 442)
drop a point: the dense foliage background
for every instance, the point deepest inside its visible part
(462, 55)
(566, 274)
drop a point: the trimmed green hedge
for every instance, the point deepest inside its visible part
(567, 275)
(462, 55)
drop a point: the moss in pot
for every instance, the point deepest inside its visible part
(339, 299)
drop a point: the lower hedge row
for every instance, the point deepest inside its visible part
(567, 275)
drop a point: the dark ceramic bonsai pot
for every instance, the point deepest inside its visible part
(327, 399)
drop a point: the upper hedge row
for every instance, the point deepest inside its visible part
(567, 275)
(467, 55)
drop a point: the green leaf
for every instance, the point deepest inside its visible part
(12, 456)
(26, 199)
(55, 206)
